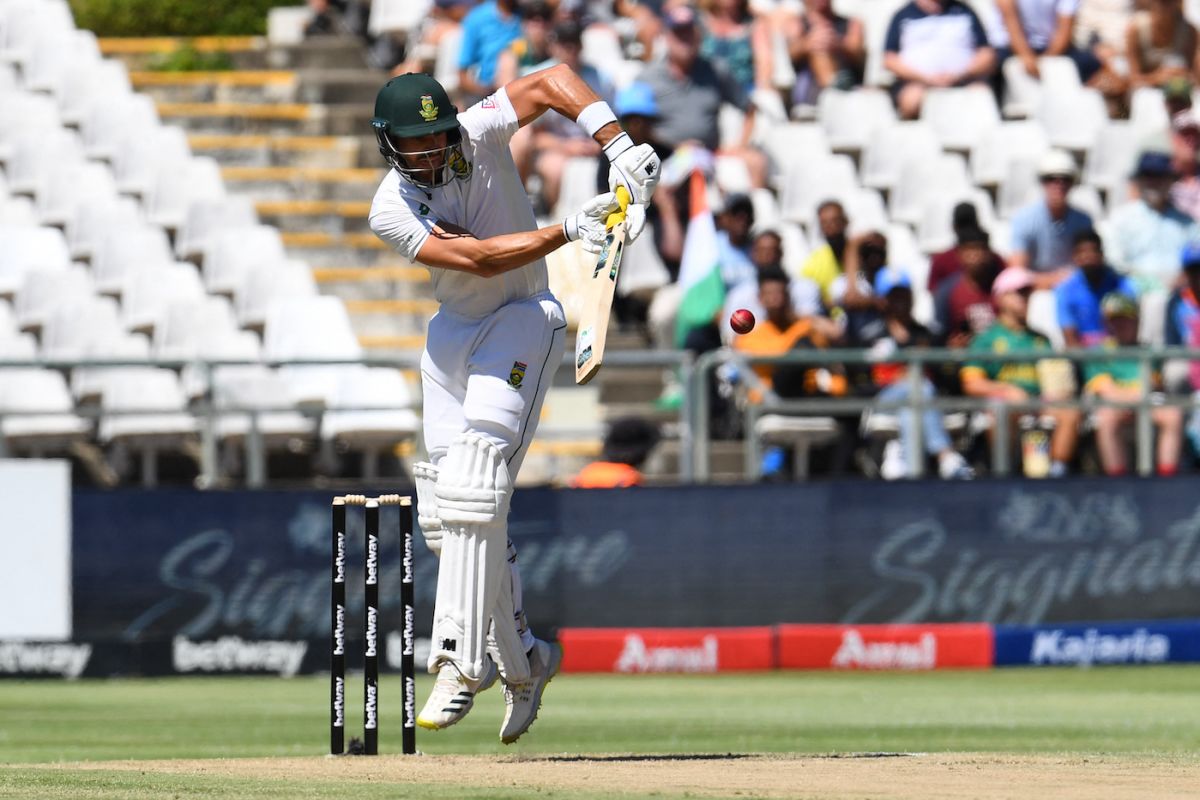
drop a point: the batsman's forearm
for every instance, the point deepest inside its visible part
(501, 254)
(559, 88)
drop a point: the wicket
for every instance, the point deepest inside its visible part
(371, 624)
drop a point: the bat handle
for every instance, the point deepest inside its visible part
(623, 200)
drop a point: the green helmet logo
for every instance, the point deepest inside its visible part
(428, 109)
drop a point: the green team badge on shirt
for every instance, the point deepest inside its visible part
(517, 375)
(422, 209)
(428, 110)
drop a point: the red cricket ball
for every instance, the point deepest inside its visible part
(742, 321)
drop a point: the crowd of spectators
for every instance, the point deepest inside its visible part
(701, 80)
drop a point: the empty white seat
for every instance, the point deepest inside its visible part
(176, 188)
(876, 16)
(104, 82)
(138, 156)
(257, 388)
(75, 329)
(148, 291)
(1148, 113)
(108, 123)
(43, 289)
(16, 346)
(601, 47)
(850, 118)
(65, 187)
(35, 153)
(310, 328)
(37, 412)
(17, 211)
(225, 345)
(126, 250)
(230, 254)
(1111, 158)
(808, 184)
(93, 222)
(24, 248)
(184, 326)
(390, 418)
(150, 406)
(796, 248)
(794, 141)
(993, 151)
(1058, 74)
(24, 113)
(1073, 119)
(25, 21)
(445, 67)
(922, 180)
(207, 217)
(888, 149)
(262, 285)
(88, 383)
(1019, 187)
(56, 58)
(1087, 199)
(1043, 316)
(1022, 91)
(578, 185)
(959, 117)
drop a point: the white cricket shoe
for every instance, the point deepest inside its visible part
(453, 695)
(522, 700)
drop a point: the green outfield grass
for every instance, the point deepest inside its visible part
(1143, 713)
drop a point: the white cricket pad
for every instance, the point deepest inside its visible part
(505, 641)
(473, 490)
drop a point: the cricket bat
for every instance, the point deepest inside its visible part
(598, 295)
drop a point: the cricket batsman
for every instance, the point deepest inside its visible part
(454, 202)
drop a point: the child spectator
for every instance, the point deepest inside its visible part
(934, 43)
(1017, 381)
(1120, 380)
(1078, 297)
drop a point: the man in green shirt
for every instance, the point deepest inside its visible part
(1120, 380)
(1017, 381)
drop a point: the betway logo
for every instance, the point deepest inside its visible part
(339, 702)
(339, 632)
(339, 563)
(854, 652)
(371, 707)
(372, 560)
(410, 702)
(64, 660)
(1093, 647)
(234, 654)
(372, 631)
(636, 657)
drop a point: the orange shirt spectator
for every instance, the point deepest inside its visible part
(627, 445)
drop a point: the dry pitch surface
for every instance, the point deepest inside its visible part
(942, 775)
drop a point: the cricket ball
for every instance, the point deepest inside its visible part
(742, 321)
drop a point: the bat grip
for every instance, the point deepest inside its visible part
(623, 199)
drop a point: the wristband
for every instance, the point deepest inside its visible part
(595, 117)
(617, 145)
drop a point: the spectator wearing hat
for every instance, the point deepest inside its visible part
(826, 50)
(964, 306)
(627, 444)
(488, 30)
(899, 330)
(1077, 299)
(1016, 381)
(1160, 44)
(932, 44)
(1120, 381)
(690, 90)
(1028, 29)
(945, 265)
(1148, 233)
(1043, 231)
(544, 148)
(1185, 142)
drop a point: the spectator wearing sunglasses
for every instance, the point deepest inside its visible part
(1043, 232)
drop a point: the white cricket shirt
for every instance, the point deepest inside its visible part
(488, 200)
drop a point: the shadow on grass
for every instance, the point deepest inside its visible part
(704, 757)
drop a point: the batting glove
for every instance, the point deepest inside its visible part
(636, 167)
(588, 225)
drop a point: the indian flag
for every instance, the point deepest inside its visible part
(700, 270)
